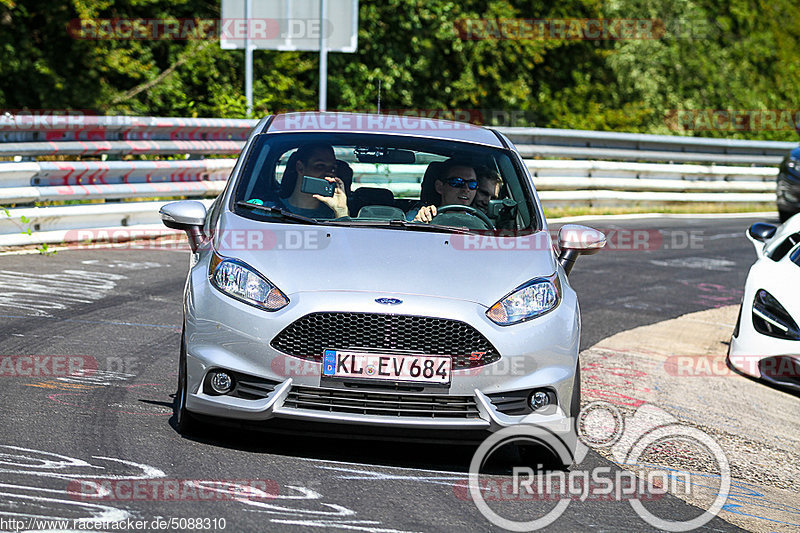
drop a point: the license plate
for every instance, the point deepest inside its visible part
(388, 367)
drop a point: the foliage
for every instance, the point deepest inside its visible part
(738, 55)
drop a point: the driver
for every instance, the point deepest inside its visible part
(456, 184)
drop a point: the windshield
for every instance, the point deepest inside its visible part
(387, 181)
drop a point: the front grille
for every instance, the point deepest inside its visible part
(308, 336)
(381, 403)
(511, 403)
(253, 388)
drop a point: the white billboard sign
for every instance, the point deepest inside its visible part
(290, 25)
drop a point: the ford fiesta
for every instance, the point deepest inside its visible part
(376, 275)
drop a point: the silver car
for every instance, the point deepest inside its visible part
(378, 275)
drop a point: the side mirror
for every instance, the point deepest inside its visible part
(188, 216)
(575, 240)
(761, 231)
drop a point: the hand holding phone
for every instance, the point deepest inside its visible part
(318, 186)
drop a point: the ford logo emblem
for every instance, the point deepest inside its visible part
(388, 301)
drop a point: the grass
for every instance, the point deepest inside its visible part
(694, 208)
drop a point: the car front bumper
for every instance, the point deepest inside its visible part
(222, 333)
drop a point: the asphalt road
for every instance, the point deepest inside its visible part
(659, 268)
(122, 309)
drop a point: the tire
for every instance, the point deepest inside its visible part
(185, 423)
(575, 406)
(784, 215)
(533, 456)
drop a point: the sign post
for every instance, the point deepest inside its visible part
(323, 57)
(248, 57)
(290, 25)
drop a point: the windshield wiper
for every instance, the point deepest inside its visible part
(400, 224)
(286, 215)
(438, 228)
(397, 223)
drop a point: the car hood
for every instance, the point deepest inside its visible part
(303, 258)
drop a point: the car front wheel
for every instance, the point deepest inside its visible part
(184, 422)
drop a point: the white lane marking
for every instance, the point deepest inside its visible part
(22, 501)
(98, 512)
(27, 461)
(39, 464)
(638, 216)
(148, 472)
(706, 263)
(736, 235)
(35, 251)
(356, 474)
(332, 516)
(125, 265)
(38, 294)
(305, 494)
(346, 463)
(19, 460)
(96, 377)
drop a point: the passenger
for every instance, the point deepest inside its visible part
(345, 172)
(316, 161)
(489, 185)
(456, 185)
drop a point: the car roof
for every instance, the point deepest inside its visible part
(394, 124)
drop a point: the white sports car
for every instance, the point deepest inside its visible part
(766, 339)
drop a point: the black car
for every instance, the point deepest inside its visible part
(789, 185)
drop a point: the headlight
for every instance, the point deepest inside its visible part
(240, 281)
(770, 318)
(793, 163)
(533, 299)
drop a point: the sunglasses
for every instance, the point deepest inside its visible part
(458, 183)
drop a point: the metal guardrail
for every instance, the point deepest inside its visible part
(62, 173)
(118, 148)
(583, 144)
(32, 135)
(77, 127)
(559, 182)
